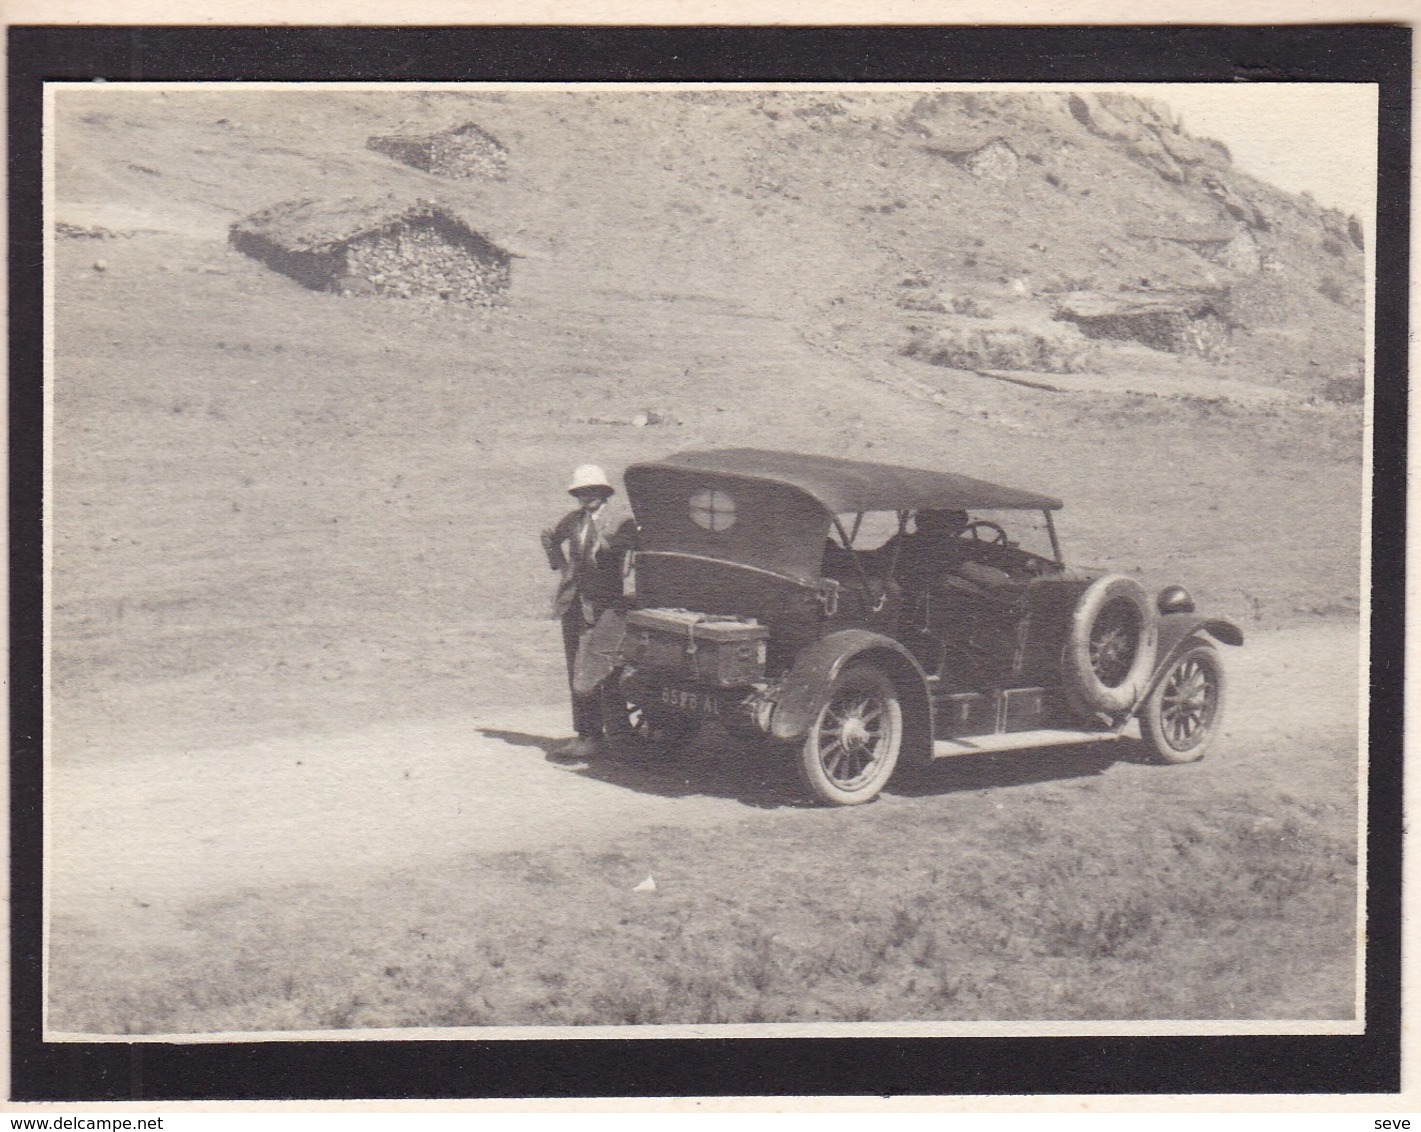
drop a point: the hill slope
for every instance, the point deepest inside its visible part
(280, 510)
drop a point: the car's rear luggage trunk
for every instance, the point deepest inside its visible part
(696, 646)
(789, 610)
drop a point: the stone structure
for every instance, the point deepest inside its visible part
(1179, 322)
(465, 151)
(1230, 247)
(994, 159)
(389, 248)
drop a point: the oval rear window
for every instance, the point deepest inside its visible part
(713, 510)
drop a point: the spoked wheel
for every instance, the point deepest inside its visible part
(634, 731)
(852, 746)
(1182, 715)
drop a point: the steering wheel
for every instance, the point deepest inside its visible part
(977, 526)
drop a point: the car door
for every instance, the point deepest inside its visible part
(971, 629)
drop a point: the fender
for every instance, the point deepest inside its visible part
(804, 690)
(1176, 630)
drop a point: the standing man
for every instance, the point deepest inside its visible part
(591, 560)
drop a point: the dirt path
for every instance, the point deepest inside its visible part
(1158, 382)
(133, 844)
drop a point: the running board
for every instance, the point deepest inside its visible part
(1017, 741)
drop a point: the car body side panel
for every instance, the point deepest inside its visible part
(1050, 604)
(1007, 637)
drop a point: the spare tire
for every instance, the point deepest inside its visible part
(1110, 654)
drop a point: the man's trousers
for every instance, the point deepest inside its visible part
(586, 710)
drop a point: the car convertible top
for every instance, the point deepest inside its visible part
(847, 486)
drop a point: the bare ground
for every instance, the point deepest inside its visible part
(138, 852)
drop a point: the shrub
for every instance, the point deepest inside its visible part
(970, 307)
(1010, 348)
(1332, 289)
(1345, 390)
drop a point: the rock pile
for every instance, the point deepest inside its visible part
(387, 248)
(924, 299)
(466, 152)
(83, 232)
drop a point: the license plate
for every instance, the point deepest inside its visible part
(696, 703)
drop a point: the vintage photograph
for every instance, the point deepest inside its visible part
(711, 560)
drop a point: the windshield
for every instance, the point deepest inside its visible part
(1026, 530)
(871, 530)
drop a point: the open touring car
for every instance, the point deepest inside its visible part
(869, 616)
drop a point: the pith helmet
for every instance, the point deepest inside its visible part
(590, 476)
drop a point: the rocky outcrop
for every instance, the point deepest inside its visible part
(1002, 347)
(1147, 131)
(1230, 247)
(1234, 203)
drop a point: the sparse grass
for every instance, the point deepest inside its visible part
(898, 912)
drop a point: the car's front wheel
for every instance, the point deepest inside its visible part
(1181, 716)
(852, 746)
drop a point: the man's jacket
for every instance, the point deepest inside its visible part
(592, 561)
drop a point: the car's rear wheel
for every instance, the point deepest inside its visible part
(852, 746)
(632, 730)
(1181, 716)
